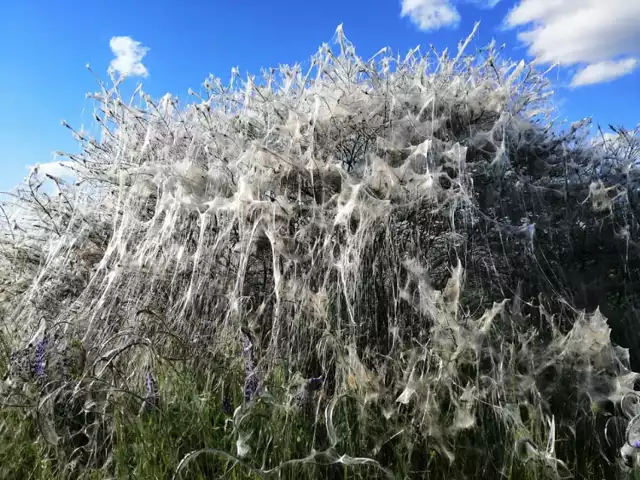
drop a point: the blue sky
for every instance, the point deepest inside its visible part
(48, 43)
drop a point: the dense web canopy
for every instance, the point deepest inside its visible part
(405, 240)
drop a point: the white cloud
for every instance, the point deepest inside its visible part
(129, 54)
(601, 34)
(485, 3)
(435, 14)
(430, 14)
(604, 72)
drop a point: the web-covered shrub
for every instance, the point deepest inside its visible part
(409, 230)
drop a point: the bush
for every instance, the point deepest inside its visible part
(369, 269)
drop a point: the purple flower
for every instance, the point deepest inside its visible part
(251, 385)
(39, 364)
(636, 444)
(314, 383)
(21, 364)
(152, 397)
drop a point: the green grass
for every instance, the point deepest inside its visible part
(102, 433)
(283, 441)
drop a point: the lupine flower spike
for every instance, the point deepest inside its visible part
(152, 397)
(39, 366)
